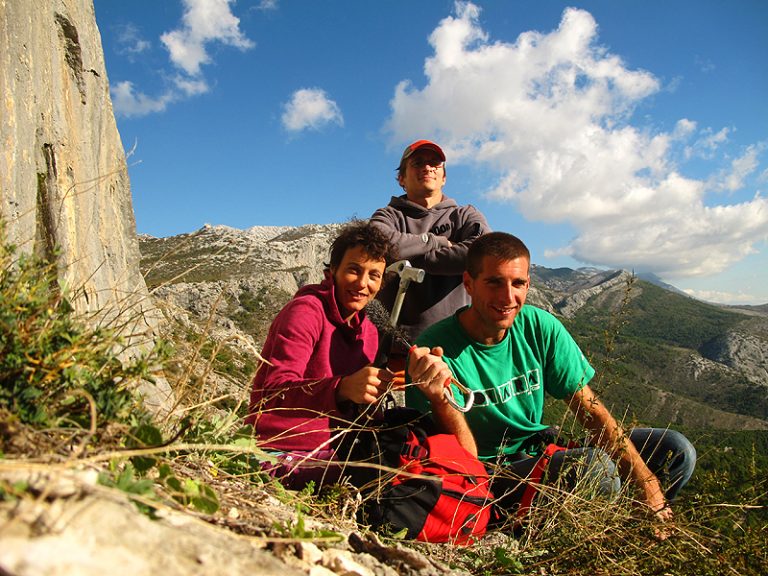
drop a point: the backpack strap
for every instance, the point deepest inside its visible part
(534, 480)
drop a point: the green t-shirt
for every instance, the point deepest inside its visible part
(509, 379)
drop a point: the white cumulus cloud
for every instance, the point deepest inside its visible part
(267, 5)
(204, 21)
(129, 102)
(720, 297)
(551, 114)
(707, 144)
(741, 167)
(130, 42)
(310, 108)
(190, 86)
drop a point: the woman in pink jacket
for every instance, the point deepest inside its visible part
(319, 351)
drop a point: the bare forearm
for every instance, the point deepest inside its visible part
(609, 435)
(428, 371)
(614, 439)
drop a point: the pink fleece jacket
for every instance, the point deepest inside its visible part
(293, 403)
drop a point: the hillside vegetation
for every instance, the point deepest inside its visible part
(652, 348)
(659, 363)
(663, 357)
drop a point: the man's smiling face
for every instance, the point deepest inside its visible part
(424, 176)
(498, 293)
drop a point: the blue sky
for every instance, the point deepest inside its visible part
(609, 133)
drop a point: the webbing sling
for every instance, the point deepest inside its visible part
(534, 480)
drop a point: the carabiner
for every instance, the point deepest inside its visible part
(469, 396)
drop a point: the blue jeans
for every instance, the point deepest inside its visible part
(667, 453)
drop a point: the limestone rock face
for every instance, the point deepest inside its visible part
(744, 352)
(63, 176)
(64, 188)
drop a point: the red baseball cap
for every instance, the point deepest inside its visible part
(422, 144)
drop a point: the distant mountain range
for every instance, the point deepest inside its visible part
(662, 357)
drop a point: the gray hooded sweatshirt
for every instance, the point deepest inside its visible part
(422, 236)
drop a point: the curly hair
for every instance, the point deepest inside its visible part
(374, 242)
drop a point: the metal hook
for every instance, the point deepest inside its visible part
(469, 396)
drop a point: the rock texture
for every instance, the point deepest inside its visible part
(227, 284)
(746, 353)
(234, 280)
(63, 177)
(64, 188)
(597, 284)
(74, 526)
(98, 535)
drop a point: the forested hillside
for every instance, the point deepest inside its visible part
(659, 354)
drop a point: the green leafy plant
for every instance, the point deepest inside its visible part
(298, 531)
(189, 492)
(243, 460)
(56, 370)
(144, 435)
(125, 478)
(12, 491)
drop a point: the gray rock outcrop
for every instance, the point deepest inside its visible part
(75, 526)
(597, 284)
(64, 188)
(63, 177)
(745, 353)
(219, 273)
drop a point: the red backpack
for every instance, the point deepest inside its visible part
(430, 486)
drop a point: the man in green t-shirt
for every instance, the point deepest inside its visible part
(511, 355)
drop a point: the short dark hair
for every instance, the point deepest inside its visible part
(497, 244)
(374, 242)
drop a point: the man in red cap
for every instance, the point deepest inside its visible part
(433, 232)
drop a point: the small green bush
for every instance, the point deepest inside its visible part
(56, 369)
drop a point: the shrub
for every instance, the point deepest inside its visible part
(56, 370)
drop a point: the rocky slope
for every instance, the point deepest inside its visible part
(742, 351)
(74, 526)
